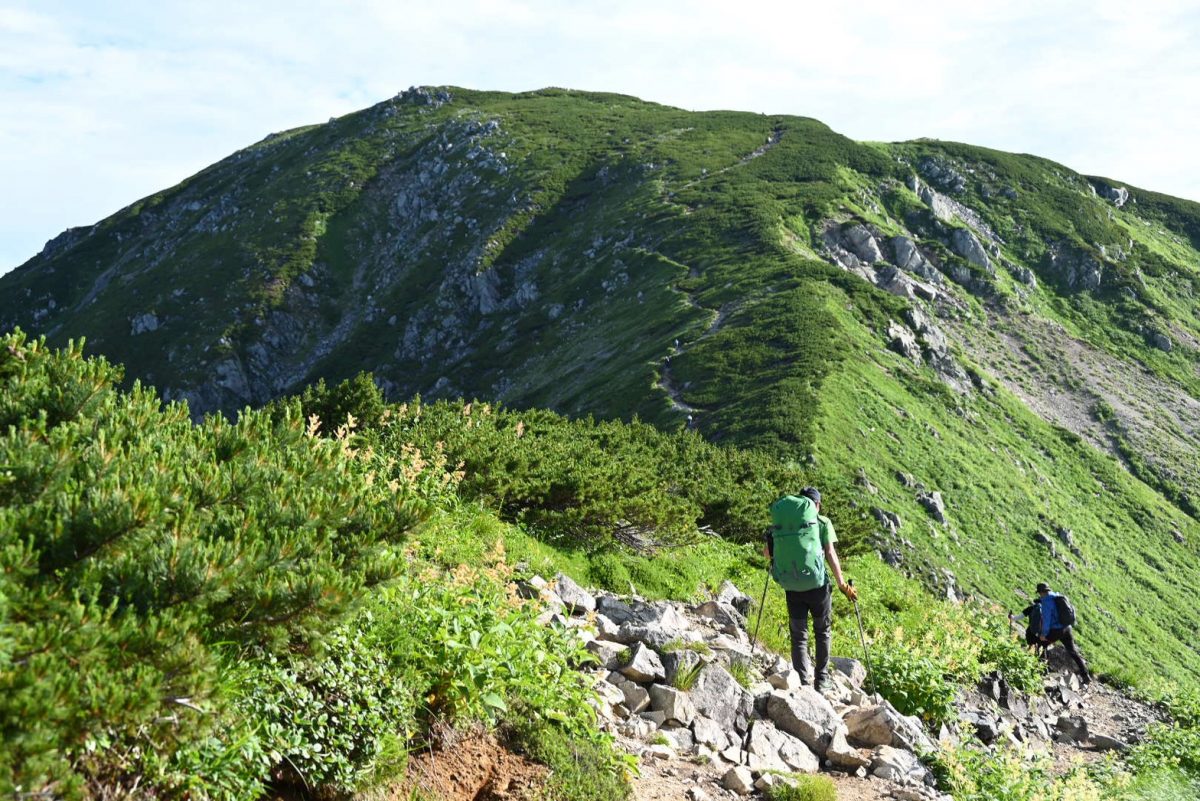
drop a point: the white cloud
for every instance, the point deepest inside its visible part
(103, 103)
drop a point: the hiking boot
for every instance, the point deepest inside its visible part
(824, 684)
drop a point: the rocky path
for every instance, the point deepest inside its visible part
(712, 718)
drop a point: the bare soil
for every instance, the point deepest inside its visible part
(475, 768)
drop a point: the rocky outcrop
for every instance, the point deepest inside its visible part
(1078, 269)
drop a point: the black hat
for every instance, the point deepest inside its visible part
(811, 493)
(1043, 587)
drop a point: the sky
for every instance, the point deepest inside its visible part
(104, 103)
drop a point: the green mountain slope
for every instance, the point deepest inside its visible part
(903, 319)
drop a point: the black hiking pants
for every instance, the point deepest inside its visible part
(1068, 640)
(819, 603)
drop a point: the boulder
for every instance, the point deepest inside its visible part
(933, 503)
(738, 780)
(964, 243)
(788, 680)
(728, 618)
(843, 755)
(654, 717)
(636, 697)
(610, 694)
(660, 751)
(681, 736)
(641, 633)
(1071, 728)
(895, 764)
(607, 653)
(614, 609)
(1102, 742)
(644, 665)
(680, 661)
(881, 724)
(904, 342)
(805, 714)
(576, 599)
(771, 749)
(708, 732)
(532, 588)
(861, 242)
(730, 594)
(850, 668)
(717, 695)
(674, 704)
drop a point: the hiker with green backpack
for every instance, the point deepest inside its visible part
(799, 543)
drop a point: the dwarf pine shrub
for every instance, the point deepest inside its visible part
(136, 547)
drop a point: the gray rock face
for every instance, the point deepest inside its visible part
(1119, 195)
(674, 704)
(805, 714)
(933, 503)
(1080, 270)
(942, 207)
(644, 665)
(718, 696)
(964, 243)
(861, 242)
(904, 341)
(899, 283)
(942, 174)
(1026, 276)
(576, 599)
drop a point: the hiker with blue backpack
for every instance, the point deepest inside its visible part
(799, 544)
(1058, 619)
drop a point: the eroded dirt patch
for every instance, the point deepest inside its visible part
(474, 768)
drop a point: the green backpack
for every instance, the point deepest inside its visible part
(799, 559)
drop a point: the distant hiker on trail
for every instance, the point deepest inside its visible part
(1058, 617)
(799, 544)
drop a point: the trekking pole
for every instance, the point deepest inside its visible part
(762, 603)
(754, 638)
(862, 636)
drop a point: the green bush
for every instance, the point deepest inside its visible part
(914, 684)
(338, 722)
(805, 788)
(972, 773)
(593, 484)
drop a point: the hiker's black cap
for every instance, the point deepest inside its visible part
(1043, 587)
(812, 493)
